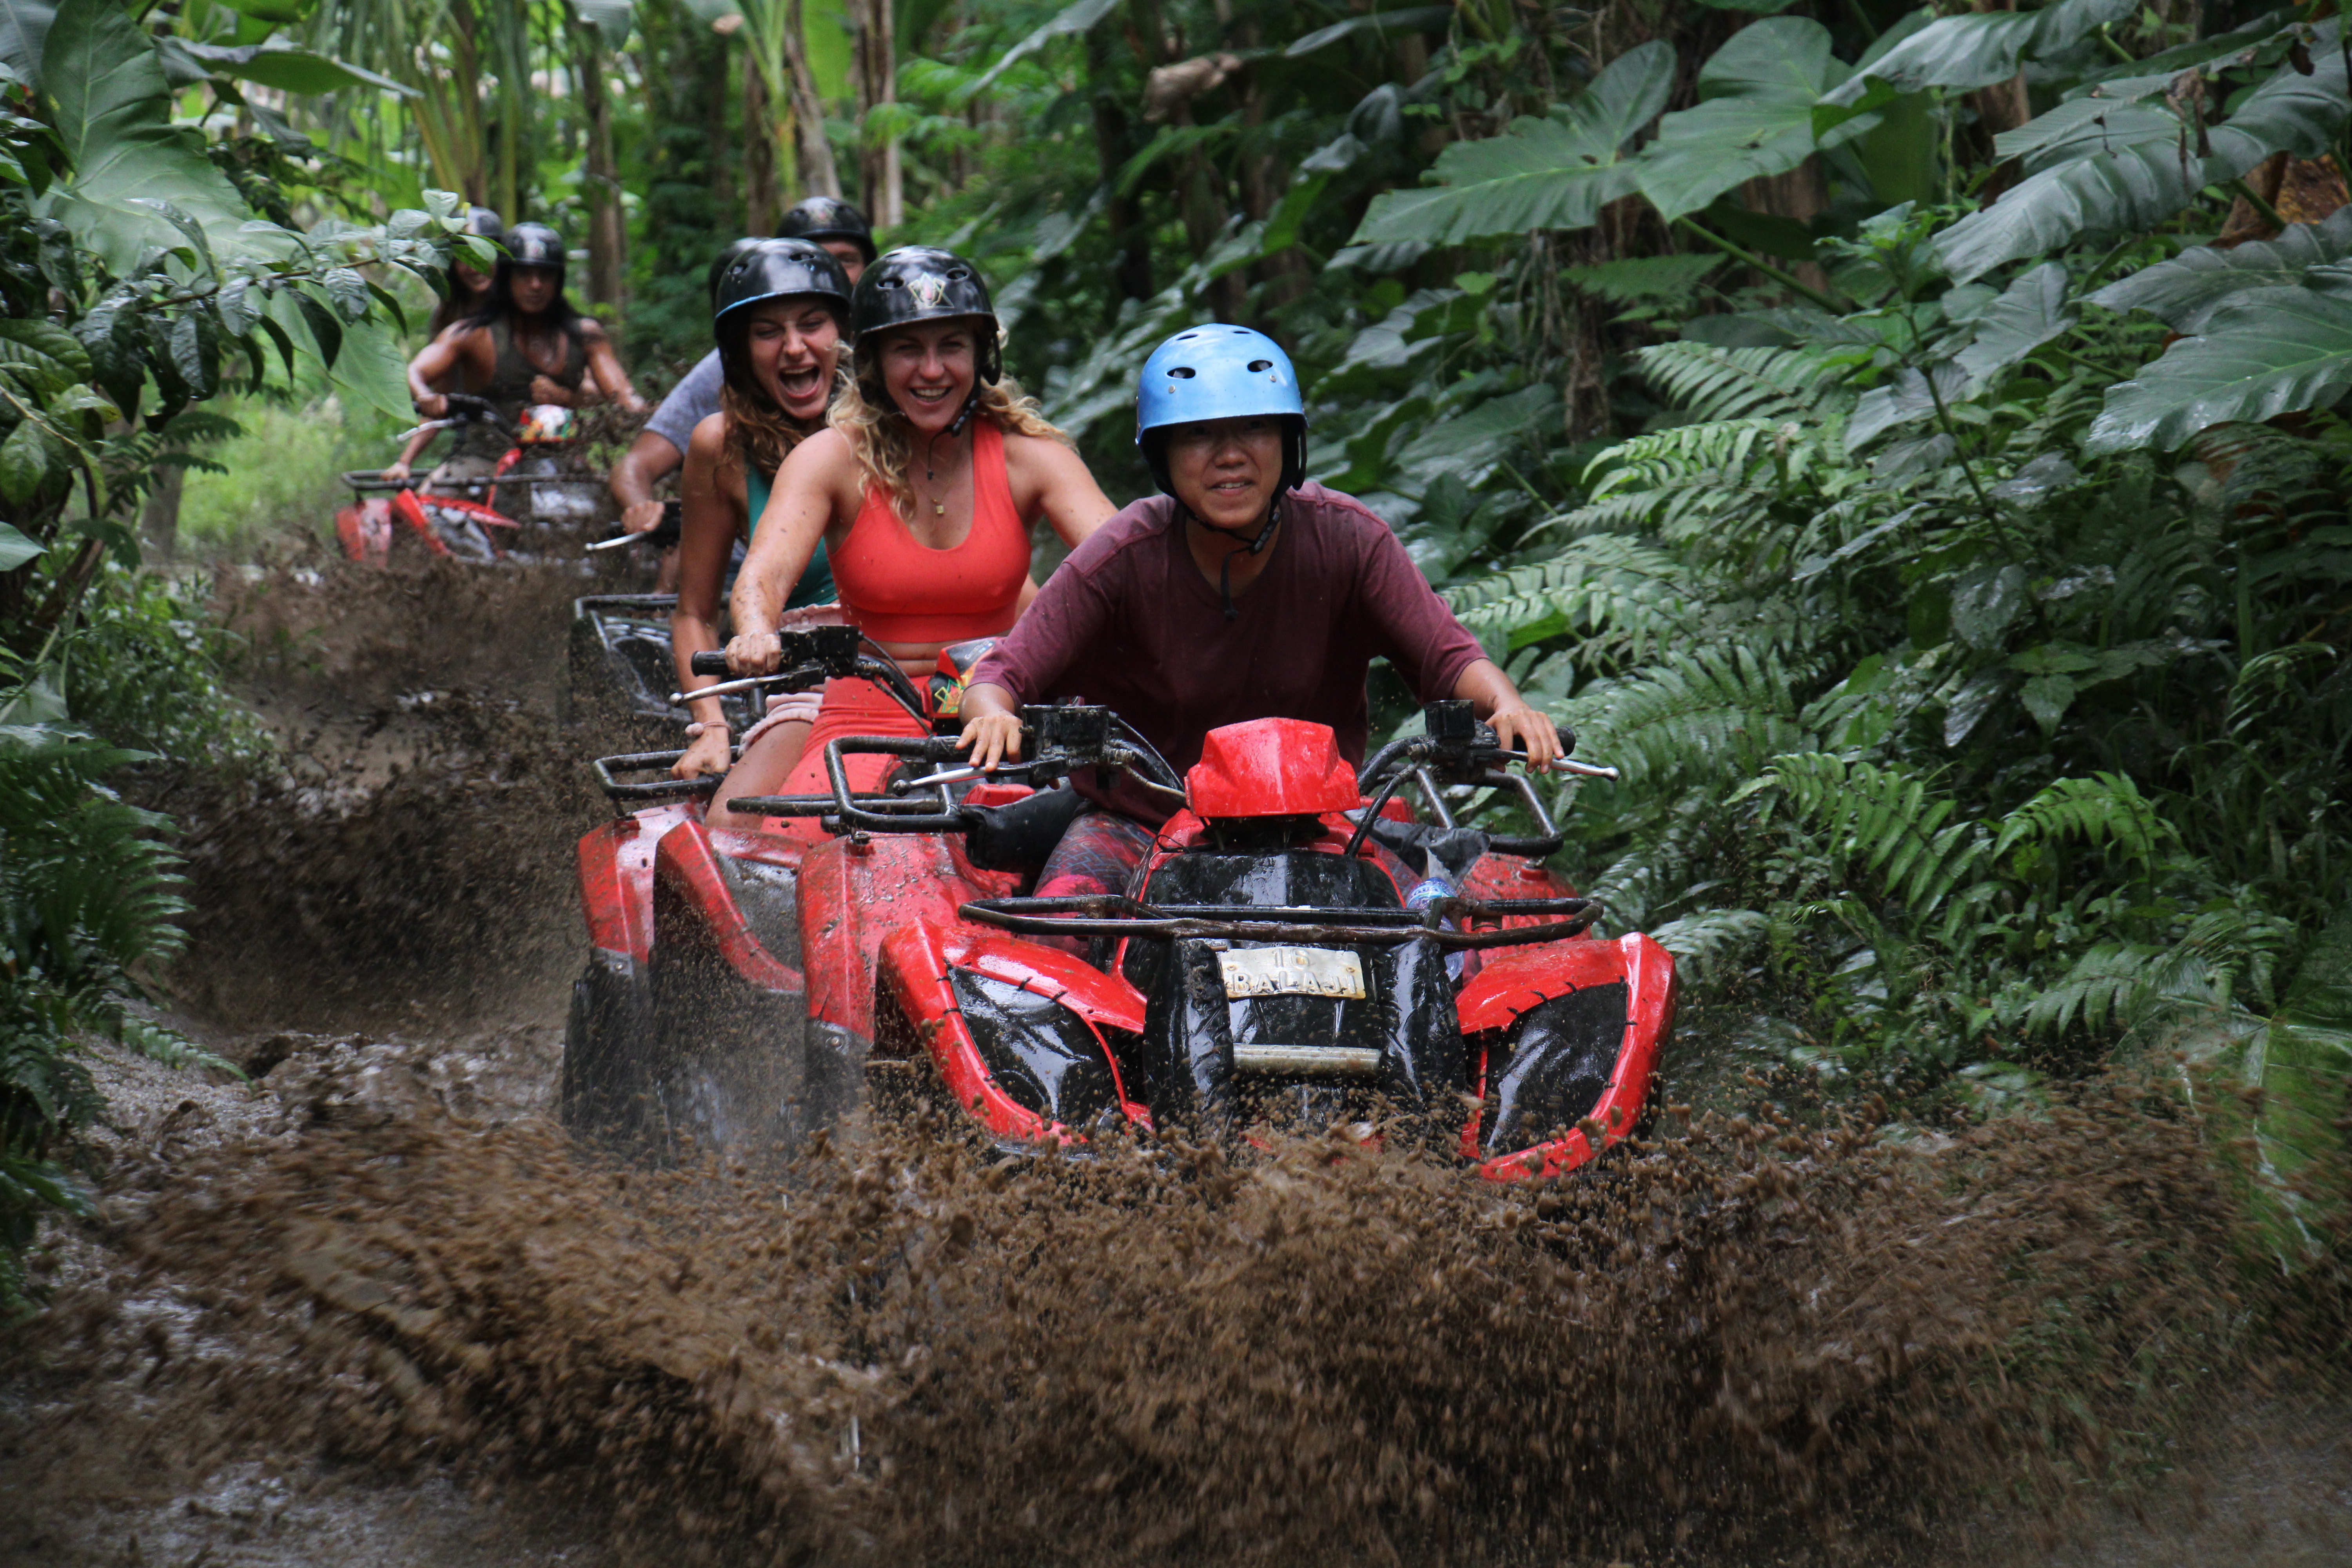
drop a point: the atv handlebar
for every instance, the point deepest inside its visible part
(1066, 739)
(811, 656)
(661, 535)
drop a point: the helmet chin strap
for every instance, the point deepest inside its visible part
(1256, 546)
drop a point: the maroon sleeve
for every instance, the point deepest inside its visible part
(1412, 627)
(1068, 613)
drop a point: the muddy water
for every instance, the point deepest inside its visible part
(372, 1308)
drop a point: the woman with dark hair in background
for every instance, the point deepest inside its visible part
(469, 286)
(781, 313)
(526, 345)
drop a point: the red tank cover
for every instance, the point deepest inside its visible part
(1271, 767)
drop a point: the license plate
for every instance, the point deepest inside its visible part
(1291, 972)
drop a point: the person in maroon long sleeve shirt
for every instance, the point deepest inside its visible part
(1239, 593)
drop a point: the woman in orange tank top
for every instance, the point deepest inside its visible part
(920, 492)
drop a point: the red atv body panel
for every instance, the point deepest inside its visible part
(865, 943)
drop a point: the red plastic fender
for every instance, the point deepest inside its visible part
(411, 511)
(687, 864)
(912, 970)
(1648, 970)
(616, 879)
(853, 895)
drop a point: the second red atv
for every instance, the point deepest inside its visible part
(1299, 949)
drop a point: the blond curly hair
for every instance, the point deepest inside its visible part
(884, 441)
(760, 432)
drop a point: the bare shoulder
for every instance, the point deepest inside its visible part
(1041, 454)
(709, 442)
(591, 330)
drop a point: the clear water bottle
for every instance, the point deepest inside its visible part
(1426, 893)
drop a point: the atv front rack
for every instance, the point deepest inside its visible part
(650, 789)
(1115, 916)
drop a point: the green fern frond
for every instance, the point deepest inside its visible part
(1714, 383)
(1722, 446)
(1607, 587)
(1711, 939)
(1711, 710)
(2106, 808)
(2119, 982)
(1886, 820)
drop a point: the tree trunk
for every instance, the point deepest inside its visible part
(2003, 106)
(879, 175)
(724, 212)
(760, 206)
(159, 518)
(607, 235)
(819, 177)
(1130, 236)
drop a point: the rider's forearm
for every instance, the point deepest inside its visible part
(1486, 687)
(690, 635)
(986, 701)
(630, 484)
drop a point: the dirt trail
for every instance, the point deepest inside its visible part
(372, 1308)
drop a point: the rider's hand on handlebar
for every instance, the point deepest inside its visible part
(707, 754)
(643, 517)
(435, 406)
(755, 653)
(992, 738)
(1520, 727)
(543, 389)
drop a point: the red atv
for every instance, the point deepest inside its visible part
(1302, 951)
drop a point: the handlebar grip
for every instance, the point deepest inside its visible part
(709, 661)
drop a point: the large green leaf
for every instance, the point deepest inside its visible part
(1075, 18)
(2184, 292)
(1760, 90)
(2029, 313)
(1553, 173)
(2262, 353)
(1957, 53)
(24, 30)
(1413, 19)
(16, 549)
(289, 69)
(2139, 168)
(612, 19)
(372, 372)
(113, 119)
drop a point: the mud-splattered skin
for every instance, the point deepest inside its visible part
(377, 1311)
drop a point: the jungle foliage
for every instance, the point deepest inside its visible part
(1906, 441)
(139, 277)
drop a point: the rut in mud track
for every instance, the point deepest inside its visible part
(374, 1307)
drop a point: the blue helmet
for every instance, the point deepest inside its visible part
(1218, 372)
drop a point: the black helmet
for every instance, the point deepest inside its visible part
(771, 270)
(486, 223)
(821, 218)
(778, 269)
(535, 245)
(922, 283)
(723, 260)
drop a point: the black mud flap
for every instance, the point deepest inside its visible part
(729, 1063)
(1560, 1058)
(605, 1087)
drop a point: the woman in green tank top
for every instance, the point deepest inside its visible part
(780, 317)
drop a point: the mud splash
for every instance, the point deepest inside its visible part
(411, 863)
(1752, 1339)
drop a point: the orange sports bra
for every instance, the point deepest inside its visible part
(898, 590)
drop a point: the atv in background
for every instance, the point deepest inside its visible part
(536, 500)
(1300, 950)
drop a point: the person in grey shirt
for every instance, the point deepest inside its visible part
(659, 450)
